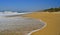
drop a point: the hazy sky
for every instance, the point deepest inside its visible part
(28, 5)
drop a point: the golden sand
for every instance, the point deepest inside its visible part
(52, 20)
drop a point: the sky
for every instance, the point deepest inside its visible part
(28, 5)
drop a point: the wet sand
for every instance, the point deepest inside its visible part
(52, 20)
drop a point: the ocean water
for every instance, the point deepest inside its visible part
(20, 24)
(10, 13)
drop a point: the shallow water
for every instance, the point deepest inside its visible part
(19, 24)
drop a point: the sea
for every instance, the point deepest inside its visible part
(10, 13)
(18, 24)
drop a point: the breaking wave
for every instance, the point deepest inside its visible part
(10, 13)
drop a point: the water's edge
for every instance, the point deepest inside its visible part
(38, 29)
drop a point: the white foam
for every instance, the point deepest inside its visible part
(10, 13)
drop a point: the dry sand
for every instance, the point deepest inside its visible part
(52, 20)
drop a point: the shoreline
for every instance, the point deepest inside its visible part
(38, 29)
(51, 18)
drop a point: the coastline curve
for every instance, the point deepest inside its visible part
(38, 29)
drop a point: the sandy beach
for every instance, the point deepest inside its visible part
(52, 19)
